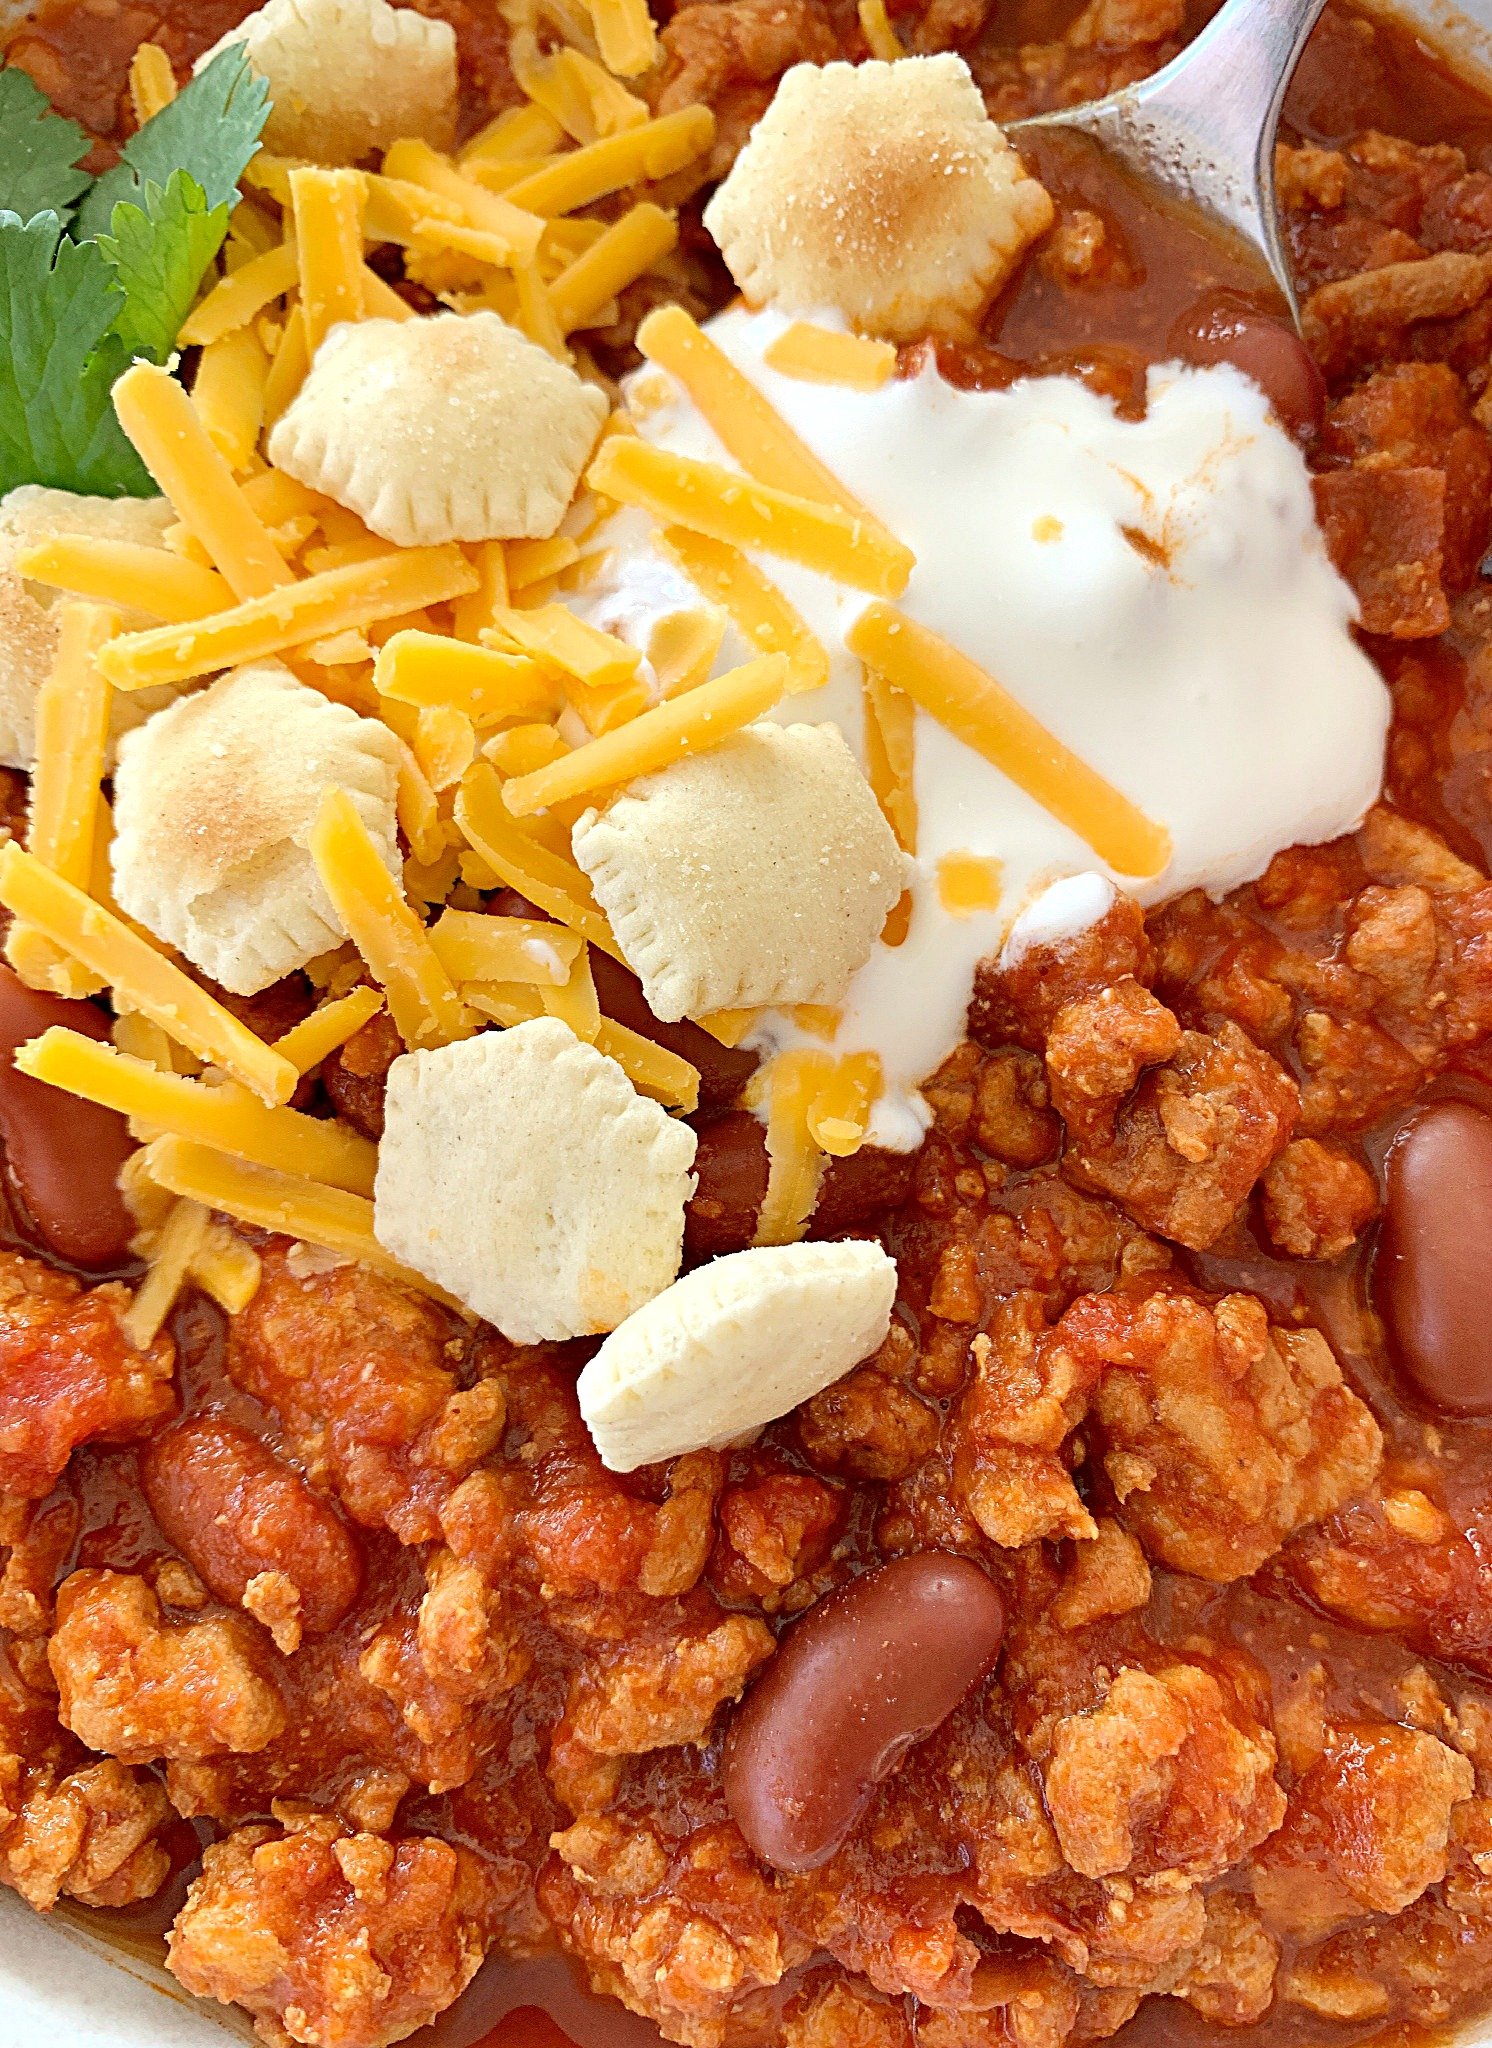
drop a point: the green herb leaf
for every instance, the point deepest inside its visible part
(160, 251)
(211, 129)
(39, 151)
(59, 357)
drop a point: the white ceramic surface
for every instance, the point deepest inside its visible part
(58, 1989)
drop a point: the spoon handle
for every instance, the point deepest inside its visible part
(1203, 127)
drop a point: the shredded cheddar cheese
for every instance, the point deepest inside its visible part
(827, 355)
(336, 601)
(152, 82)
(474, 613)
(743, 418)
(756, 607)
(504, 221)
(426, 669)
(474, 947)
(141, 976)
(683, 648)
(227, 1269)
(642, 155)
(225, 1116)
(625, 35)
(550, 881)
(72, 729)
(287, 372)
(975, 708)
(594, 278)
(702, 717)
(839, 1114)
(175, 447)
(968, 883)
(228, 395)
(558, 638)
(875, 26)
(520, 132)
(123, 572)
(284, 1202)
(574, 1000)
(179, 1242)
(651, 1068)
(727, 1027)
(308, 1043)
(795, 1165)
(328, 211)
(679, 490)
(393, 943)
(242, 295)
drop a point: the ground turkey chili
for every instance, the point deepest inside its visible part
(1146, 1681)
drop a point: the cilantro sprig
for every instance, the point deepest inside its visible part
(95, 272)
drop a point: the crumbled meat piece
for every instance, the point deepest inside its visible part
(1356, 318)
(731, 57)
(1175, 1125)
(653, 1692)
(356, 1074)
(871, 1424)
(774, 1531)
(68, 1373)
(1424, 1580)
(1169, 1773)
(332, 1939)
(1316, 1198)
(38, 1537)
(997, 1100)
(844, 2014)
(1017, 1004)
(1309, 176)
(1366, 1831)
(1024, 1396)
(1385, 532)
(364, 1378)
(1107, 1575)
(1220, 1434)
(686, 1932)
(90, 1834)
(139, 1687)
(1229, 1976)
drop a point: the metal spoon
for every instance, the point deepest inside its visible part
(1203, 128)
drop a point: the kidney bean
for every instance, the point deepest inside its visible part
(233, 1509)
(731, 1180)
(868, 1671)
(1433, 1277)
(1225, 328)
(64, 1154)
(730, 1167)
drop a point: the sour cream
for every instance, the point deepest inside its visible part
(1155, 591)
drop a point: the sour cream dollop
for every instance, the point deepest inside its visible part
(1155, 591)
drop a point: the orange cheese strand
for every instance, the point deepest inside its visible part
(474, 947)
(328, 208)
(152, 82)
(625, 35)
(827, 355)
(651, 1068)
(222, 1115)
(283, 1202)
(308, 1043)
(239, 297)
(176, 448)
(743, 419)
(839, 1114)
(142, 977)
(125, 572)
(628, 248)
(756, 607)
(428, 670)
(977, 710)
(678, 490)
(554, 635)
(968, 883)
(702, 717)
(654, 150)
(228, 395)
(179, 1241)
(550, 881)
(336, 601)
(394, 945)
(795, 1161)
(416, 163)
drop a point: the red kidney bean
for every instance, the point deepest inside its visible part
(1433, 1278)
(233, 1509)
(1225, 328)
(868, 1671)
(64, 1154)
(730, 1169)
(723, 1070)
